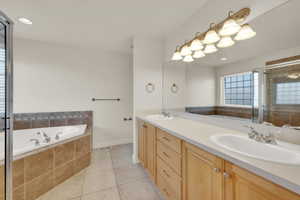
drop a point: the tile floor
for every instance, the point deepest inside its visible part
(111, 176)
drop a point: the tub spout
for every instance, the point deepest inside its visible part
(46, 138)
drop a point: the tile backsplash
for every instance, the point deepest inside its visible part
(52, 119)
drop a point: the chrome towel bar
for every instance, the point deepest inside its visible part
(117, 99)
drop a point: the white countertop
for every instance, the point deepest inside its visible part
(198, 133)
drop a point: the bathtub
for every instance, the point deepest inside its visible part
(22, 138)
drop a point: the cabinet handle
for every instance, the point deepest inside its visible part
(217, 170)
(166, 154)
(166, 191)
(165, 138)
(226, 175)
(166, 173)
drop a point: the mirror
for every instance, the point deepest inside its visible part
(254, 80)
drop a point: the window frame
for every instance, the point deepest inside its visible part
(222, 96)
(275, 96)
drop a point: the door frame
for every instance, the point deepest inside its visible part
(8, 117)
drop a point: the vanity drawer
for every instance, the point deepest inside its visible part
(165, 189)
(169, 176)
(172, 158)
(169, 140)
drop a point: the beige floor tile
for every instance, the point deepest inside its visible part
(69, 189)
(101, 161)
(108, 194)
(98, 181)
(126, 149)
(138, 190)
(129, 173)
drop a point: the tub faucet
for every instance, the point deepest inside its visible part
(36, 141)
(47, 139)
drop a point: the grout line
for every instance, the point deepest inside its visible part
(117, 185)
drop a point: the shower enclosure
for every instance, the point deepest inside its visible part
(6, 99)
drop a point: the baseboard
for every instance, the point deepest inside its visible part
(135, 159)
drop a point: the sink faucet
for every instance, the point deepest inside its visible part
(259, 137)
(166, 114)
(46, 138)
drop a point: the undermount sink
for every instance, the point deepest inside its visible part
(248, 147)
(159, 117)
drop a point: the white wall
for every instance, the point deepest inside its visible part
(251, 64)
(147, 68)
(201, 88)
(51, 77)
(174, 74)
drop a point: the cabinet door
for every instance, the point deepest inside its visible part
(240, 184)
(151, 150)
(202, 177)
(142, 129)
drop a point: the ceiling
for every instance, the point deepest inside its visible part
(104, 24)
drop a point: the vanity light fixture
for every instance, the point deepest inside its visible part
(25, 21)
(211, 36)
(226, 41)
(188, 58)
(198, 54)
(196, 45)
(210, 48)
(177, 56)
(186, 50)
(230, 26)
(222, 34)
(245, 33)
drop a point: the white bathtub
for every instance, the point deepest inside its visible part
(22, 143)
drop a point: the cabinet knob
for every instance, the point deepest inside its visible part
(217, 170)
(226, 175)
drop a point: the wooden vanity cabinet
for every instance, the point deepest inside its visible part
(151, 151)
(202, 174)
(147, 148)
(142, 129)
(183, 171)
(241, 184)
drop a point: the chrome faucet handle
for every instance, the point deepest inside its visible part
(270, 139)
(57, 136)
(47, 138)
(36, 141)
(253, 133)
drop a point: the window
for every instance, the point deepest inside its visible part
(288, 93)
(2, 81)
(239, 89)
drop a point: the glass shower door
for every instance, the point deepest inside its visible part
(6, 125)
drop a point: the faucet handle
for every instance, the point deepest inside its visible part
(270, 138)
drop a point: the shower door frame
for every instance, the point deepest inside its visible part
(8, 117)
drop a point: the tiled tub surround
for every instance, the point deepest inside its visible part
(38, 171)
(222, 110)
(52, 119)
